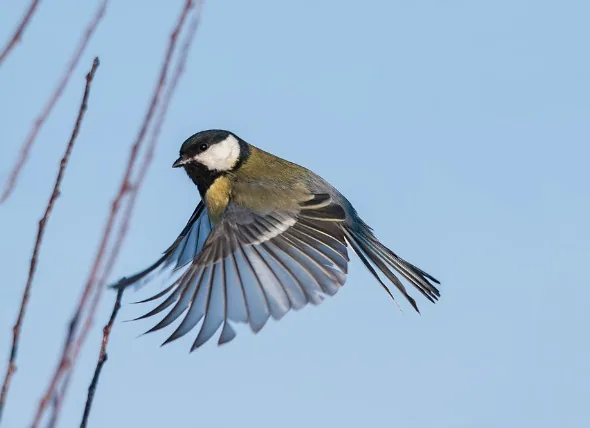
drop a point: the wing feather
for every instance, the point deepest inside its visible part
(255, 265)
(195, 311)
(255, 295)
(183, 301)
(214, 315)
(173, 254)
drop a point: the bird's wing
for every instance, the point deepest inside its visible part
(182, 251)
(256, 265)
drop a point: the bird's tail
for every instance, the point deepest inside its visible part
(374, 253)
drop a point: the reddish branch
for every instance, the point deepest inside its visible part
(147, 159)
(38, 124)
(19, 30)
(67, 361)
(57, 402)
(16, 331)
(178, 71)
(102, 358)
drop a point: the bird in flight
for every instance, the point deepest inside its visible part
(267, 236)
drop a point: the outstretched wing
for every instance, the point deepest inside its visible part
(254, 266)
(182, 251)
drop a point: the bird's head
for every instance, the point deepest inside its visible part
(213, 150)
(207, 155)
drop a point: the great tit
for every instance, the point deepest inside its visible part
(267, 236)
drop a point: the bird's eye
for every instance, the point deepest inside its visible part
(203, 147)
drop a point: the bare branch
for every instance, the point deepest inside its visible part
(57, 402)
(40, 233)
(38, 124)
(179, 69)
(68, 357)
(102, 358)
(12, 42)
(147, 159)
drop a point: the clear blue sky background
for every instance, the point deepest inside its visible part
(459, 129)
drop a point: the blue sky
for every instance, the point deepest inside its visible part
(458, 129)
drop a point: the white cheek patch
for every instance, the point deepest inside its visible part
(222, 156)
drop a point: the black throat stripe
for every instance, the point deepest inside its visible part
(202, 176)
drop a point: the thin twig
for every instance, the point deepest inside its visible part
(56, 408)
(178, 71)
(147, 159)
(57, 402)
(66, 361)
(12, 42)
(102, 358)
(16, 331)
(38, 124)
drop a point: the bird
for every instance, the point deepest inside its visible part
(267, 236)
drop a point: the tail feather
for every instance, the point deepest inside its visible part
(407, 270)
(369, 248)
(363, 252)
(427, 275)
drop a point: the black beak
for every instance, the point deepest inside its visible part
(177, 163)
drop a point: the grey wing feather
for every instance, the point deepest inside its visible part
(254, 266)
(182, 251)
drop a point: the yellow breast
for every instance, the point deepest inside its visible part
(217, 197)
